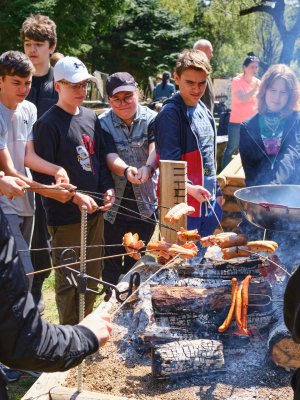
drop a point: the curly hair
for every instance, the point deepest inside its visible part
(39, 28)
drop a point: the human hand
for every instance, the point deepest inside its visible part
(143, 174)
(61, 176)
(11, 186)
(62, 192)
(99, 322)
(132, 175)
(198, 192)
(109, 199)
(81, 200)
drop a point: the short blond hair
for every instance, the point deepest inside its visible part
(192, 59)
(280, 71)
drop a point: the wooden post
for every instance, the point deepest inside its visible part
(173, 177)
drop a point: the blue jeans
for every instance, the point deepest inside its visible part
(232, 144)
(21, 228)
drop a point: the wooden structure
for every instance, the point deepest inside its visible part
(173, 177)
(231, 179)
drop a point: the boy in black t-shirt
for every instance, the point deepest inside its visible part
(70, 134)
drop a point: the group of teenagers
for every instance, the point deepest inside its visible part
(70, 157)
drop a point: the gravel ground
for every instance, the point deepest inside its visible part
(109, 373)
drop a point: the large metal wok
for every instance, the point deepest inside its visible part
(273, 207)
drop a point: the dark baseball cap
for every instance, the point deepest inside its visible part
(120, 82)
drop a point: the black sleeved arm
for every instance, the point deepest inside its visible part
(26, 341)
(292, 305)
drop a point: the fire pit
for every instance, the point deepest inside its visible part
(166, 345)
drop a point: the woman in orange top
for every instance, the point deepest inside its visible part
(244, 90)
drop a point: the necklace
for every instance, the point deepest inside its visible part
(272, 124)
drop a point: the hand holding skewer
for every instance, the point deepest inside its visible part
(11, 186)
(108, 199)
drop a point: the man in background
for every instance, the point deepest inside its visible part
(209, 97)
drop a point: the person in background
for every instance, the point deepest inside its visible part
(208, 97)
(131, 156)
(158, 78)
(185, 130)
(164, 89)
(270, 140)
(26, 341)
(267, 137)
(244, 89)
(38, 34)
(55, 57)
(71, 135)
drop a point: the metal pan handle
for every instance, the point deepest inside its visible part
(274, 205)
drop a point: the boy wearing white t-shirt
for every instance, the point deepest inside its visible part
(17, 117)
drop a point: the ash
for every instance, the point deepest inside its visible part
(246, 365)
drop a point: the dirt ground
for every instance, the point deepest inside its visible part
(109, 373)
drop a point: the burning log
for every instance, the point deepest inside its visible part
(207, 307)
(187, 357)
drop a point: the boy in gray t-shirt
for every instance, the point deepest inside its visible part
(17, 117)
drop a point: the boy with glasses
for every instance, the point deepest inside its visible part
(130, 155)
(71, 135)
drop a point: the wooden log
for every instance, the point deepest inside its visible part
(222, 181)
(187, 357)
(231, 206)
(234, 180)
(41, 387)
(229, 190)
(232, 167)
(179, 300)
(240, 173)
(230, 222)
(173, 176)
(63, 393)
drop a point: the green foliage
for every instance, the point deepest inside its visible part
(232, 36)
(13, 13)
(145, 38)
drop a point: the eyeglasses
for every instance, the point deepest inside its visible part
(76, 86)
(126, 99)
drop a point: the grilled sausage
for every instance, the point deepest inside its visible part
(245, 301)
(231, 240)
(228, 319)
(261, 246)
(177, 212)
(238, 307)
(233, 252)
(184, 236)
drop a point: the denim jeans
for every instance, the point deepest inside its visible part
(21, 228)
(232, 144)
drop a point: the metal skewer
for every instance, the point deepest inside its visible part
(268, 298)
